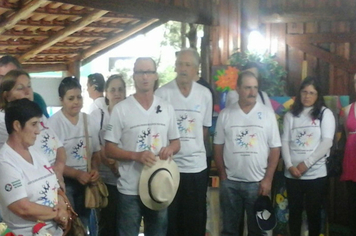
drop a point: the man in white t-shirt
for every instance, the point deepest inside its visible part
(247, 148)
(95, 88)
(192, 103)
(262, 97)
(145, 126)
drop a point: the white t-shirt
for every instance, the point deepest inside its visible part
(304, 135)
(98, 103)
(192, 112)
(73, 138)
(139, 130)
(19, 179)
(247, 140)
(104, 171)
(47, 141)
(232, 97)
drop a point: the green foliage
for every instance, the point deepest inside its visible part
(272, 74)
(166, 75)
(172, 35)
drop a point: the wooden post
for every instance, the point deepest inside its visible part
(73, 69)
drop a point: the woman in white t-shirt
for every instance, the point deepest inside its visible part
(16, 84)
(115, 92)
(308, 136)
(29, 187)
(68, 123)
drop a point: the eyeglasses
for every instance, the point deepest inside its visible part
(305, 93)
(147, 72)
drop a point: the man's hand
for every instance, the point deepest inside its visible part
(294, 172)
(146, 157)
(165, 153)
(265, 187)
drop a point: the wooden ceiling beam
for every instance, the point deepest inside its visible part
(107, 49)
(338, 61)
(21, 14)
(35, 68)
(322, 38)
(113, 40)
(149, 9)
(61, 34)
(306, 15)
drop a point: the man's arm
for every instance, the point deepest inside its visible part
(219, 161)
(116, 153)
(266, 182)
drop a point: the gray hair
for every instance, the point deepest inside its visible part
(193, 52)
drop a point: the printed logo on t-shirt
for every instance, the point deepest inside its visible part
(48, 195)
(185, 124)
(49, 144)
(13, 184)
(8, 187)
(158, 109)
(49, 168)
(246, 139)
(144, 140)
(109, 127)
(78, 150)
(259, 114)
(304, 139)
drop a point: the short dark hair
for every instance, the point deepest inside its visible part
(8, 83)
(7, 59)
(97, 80)
(243, 75)
(110, 79)
(68, 83)
(21, 110)
(298, 107)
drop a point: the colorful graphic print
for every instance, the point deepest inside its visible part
(185, 124)
(246, 139)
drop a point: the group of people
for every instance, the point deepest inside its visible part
(40, 156)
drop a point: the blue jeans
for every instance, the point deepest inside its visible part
(131, 210)
(109, 215)
(76, 195)
(235, 198)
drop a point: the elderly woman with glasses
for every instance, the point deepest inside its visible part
(308, 136)
(29, 188)
(69, 125)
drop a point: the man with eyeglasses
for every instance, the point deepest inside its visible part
(246, 152)
(193, 106)
(145, 127)
(8, 63)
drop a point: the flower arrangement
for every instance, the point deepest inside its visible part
(226, 79)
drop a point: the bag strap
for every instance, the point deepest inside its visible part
(87, 143)
(321, 116)
(101, 125)
(261, 95)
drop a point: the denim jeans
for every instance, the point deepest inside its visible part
(235, 198)
(76, 195)
(131, 209)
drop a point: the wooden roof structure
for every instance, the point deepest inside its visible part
(56, 35)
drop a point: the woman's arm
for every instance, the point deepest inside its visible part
(32, 211)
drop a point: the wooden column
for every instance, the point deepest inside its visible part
(73, 69)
